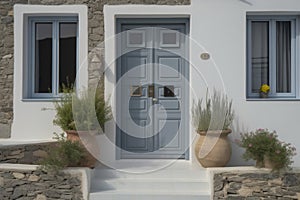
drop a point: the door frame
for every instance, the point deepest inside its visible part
(157, 20)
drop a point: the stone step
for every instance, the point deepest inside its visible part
(137, 195)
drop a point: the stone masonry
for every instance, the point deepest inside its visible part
(96, 36)
(256, 185)
(25, 154)
(39, 185)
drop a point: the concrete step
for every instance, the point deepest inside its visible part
(179, 181)
(104, 174)
(126, 184)
(137, 195)
(147, 196)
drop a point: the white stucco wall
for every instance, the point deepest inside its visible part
(30, 121)
(218, 27)
(221, 28)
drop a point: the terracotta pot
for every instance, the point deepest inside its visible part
(259, 164)
(268, 163)
(89, 159)
(213, 148)
(263, 95)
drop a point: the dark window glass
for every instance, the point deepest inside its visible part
(43, 58)
(260, 54)
(67, 53)
(283, 56)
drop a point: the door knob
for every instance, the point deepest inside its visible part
(154, 99)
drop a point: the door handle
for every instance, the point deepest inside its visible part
(151, 91)
(154, 99)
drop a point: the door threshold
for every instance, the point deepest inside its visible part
(148, 165)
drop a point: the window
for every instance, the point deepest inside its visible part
(271, 57)
(52, 54)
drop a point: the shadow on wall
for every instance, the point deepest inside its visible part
(237, 152)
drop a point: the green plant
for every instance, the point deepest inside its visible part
(84, 111)
(64, 114)
(262, 143)
(216, 114)
(281, 155)
(66, 154)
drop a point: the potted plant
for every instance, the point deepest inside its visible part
(264, 90)
(66, 153)
(266, 149)
(212, 121)
(82, 114)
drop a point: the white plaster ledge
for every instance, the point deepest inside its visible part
(85, 179)
(10, 142)
(18, 167)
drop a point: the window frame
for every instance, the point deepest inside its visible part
(55, 20)
(272, 19)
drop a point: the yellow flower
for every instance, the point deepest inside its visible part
(265, 88)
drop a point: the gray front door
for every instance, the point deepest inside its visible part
(152, 92)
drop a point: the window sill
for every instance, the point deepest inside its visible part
(273, 99)
(40, 99)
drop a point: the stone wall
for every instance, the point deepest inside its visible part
(96, 36)
(256, 185)
(39, 185)
(25, 154)
(6, 67)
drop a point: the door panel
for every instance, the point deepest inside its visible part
(169, 137)
(152, 125)
(169, 68)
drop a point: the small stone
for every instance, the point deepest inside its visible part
(1, 182)
(94, 37)
(235, 186)
(33, 178)
(64, 187)
(252, 198)
(290, 180)
(17, 156)
(40, 197)
(16, 152)
(253, 183)
(24, 198)
(245, 192)
(74, 181)
(40, 154)
(7, 20)
(277, 181)
(64, 196)
(7, 56)
(19, 192)
(288, 193)
(234, 197)
(295, 188)
(218, 186)
(219, 194)
(13, 182)
(18, 175)
(7, 175)
(52, 194)
(9, 189)
(235, 179)
(94, 23)
(10, 13)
